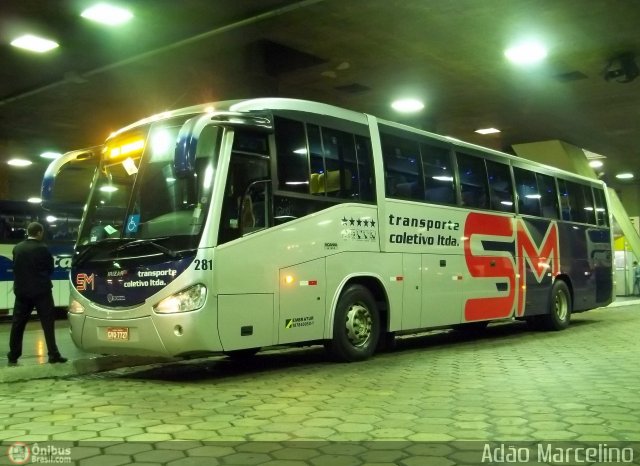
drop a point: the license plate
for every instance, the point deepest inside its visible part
(118, 333)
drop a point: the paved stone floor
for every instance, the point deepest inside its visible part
(437, 399)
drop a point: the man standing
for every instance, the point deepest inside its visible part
(32, 269)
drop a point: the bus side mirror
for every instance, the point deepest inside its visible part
(184, 162)
(72, 172)
(184, 159)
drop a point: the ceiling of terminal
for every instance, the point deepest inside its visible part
(358, 54)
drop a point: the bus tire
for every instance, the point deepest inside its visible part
(356, 326)
(559, 315)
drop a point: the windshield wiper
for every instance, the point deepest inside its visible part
(149, 242)
(92, 247)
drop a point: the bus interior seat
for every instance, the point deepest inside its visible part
(314, 183)
(329, 182)
(408, 189)
(441, 195)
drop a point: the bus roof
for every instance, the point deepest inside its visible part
(281, 103)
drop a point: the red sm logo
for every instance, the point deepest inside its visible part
(83, 280)
(542, 260)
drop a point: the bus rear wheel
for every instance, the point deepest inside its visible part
(559, 315)
(356, 326)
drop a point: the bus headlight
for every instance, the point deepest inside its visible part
(75, 307)
(186, 300)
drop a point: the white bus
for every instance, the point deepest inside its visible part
(61, 228)
(241, 225)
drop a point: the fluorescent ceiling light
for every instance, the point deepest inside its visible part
(34, 200)
(624, 176)
(107, 14)
(50, 155)
(487, 130)
(19, 162)
(108, 189)
(51, 218)
(527, 53)
(407, 105)
(34, 43)
(595, 164)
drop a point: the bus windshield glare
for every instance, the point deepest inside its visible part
(136, 194)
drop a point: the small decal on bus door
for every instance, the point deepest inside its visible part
(298, 322)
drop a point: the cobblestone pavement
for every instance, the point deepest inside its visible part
(437, 399)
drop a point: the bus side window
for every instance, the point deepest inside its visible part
(439, 182)
(293, 165)
(602, 216)
(528, 192)
(403, 174)
(473, 181)
(366, 185)
(565, 204)
(549, 196)
(500, 186)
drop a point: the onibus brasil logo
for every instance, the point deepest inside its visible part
(21, 453)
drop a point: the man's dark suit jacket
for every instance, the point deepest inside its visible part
(32, 268)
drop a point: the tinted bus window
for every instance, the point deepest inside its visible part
(439, 184)
(340, 163)
(589, 206)
(403, 178)
(316, 161)
(548, 195)
(322, 161)
(563, 195)
(473, 181)
(365, 169)
(528, 193)
(293, 165)
(500, 186)
(602, 216)
(576, 201)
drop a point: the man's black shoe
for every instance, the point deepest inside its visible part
(12, 362)
(57, 359)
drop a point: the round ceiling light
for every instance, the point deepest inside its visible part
(526, 53)
(19, 162)
(407, 105)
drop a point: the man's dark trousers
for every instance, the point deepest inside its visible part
(21, 313)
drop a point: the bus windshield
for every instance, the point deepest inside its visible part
(136, 194)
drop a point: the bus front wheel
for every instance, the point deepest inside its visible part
(356, 326)
(559, 314)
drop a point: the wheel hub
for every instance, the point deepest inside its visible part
(359, 325)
